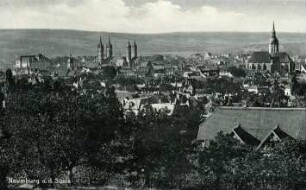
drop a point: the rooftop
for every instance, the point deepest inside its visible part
(260, 57)
(255, 121)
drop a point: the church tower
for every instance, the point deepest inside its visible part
(109, 49)
(273, 46)
(100, 52)
(134, 50)
(129, 52)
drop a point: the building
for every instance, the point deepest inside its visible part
(105, 54)
(129, 53)
(72, 63)
(134, 55)
(255, 126)
(32, 62)
(109, 49)
(272, 61)
(100, 52)
(273, 45)
(260, 61)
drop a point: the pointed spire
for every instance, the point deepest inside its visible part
(101, 40)
(273, 29)
(100, 45)
(109, 40)
(129, 44)
(135, 43)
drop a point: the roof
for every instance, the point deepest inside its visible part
(273, 40)
(277, 133)
(258, 122)
(283, 57)
(244, 136)
(260, 57)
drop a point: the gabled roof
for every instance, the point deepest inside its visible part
(244, 136)
(277, 133)
(260, 57)
(258, 122)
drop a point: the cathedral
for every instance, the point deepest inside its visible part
(273, 60)
(105, 54)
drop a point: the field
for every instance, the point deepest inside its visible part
(63, 42)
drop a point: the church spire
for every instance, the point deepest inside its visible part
(101, 43)
(274, 45)
(109, 48)
(134, 50)
(129, 53)
(273, 30)
(109, 41)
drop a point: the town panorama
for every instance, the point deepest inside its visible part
(127, 118)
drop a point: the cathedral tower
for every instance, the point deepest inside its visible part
(273, 46)
(129, 52)
(134, 50)
(109, 49)
(100, 52)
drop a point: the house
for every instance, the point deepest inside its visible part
(254, 126)
(134, 105)
(32, 62)
(164, 107)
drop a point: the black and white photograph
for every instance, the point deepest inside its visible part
(152, 95)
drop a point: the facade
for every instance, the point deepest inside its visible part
(272, 61)
(256, 126)
(32, 62)
(134, 55)
(105, 53)
(129, 53)
(109, 49)
(100, 52)
(72, 63)
(260, 61)
(282, 63)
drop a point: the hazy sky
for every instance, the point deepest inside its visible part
(154, 16)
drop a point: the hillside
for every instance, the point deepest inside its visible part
(63, 42)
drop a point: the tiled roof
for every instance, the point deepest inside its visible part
(260, 57)
(258, 122)
(244, 136)
(276, 132)
(283, 57)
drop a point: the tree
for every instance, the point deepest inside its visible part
(9, 77)
(109, 72)
(215, 159)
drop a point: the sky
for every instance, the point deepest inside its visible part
(155, 16)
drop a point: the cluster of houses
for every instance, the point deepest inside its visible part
(256, 126)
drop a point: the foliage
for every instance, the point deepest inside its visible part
(51, 130)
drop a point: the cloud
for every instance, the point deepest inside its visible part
(150, 17)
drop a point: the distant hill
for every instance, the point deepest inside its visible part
(63, 42)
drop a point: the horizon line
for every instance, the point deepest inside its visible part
(153, 33)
